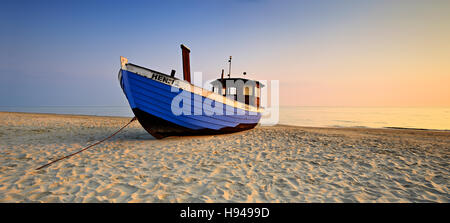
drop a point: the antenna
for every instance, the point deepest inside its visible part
(229, 68)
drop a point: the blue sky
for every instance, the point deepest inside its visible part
(67, 52)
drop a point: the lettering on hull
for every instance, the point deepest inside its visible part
(162, 78)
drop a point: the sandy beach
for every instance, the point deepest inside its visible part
(266, 164)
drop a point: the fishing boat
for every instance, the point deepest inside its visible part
(168, 106)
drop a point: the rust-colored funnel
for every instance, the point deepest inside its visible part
(186, 66)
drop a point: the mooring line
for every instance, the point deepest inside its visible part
(54, 161)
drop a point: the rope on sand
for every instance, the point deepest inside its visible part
(54, 161)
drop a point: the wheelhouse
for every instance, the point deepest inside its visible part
(239, 89)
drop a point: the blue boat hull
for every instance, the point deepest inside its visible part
(151, 102)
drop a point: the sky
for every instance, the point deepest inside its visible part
(324, 53)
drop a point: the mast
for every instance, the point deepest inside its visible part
(229, 68)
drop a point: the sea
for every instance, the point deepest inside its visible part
(436, 118)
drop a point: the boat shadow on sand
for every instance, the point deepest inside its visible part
(133, 134)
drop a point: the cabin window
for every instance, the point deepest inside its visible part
(232, 90)
(215, 90)
(248, 91)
